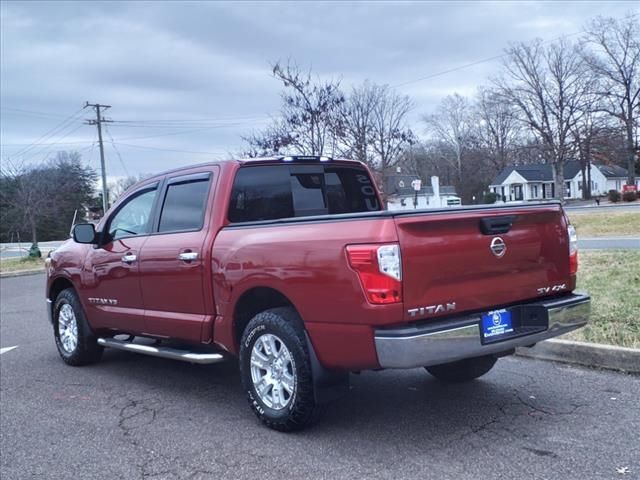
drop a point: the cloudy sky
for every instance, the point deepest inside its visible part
(187, 79)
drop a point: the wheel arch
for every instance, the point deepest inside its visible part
(328, 385)
(57, 285)
(254, 301)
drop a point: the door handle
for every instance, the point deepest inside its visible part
(188, 256)
(129, 258)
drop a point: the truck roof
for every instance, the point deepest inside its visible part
(273, 159)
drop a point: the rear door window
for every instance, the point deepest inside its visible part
(261, 193)
(184, 205)
(284, 191)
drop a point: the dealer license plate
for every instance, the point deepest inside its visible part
(496, 324)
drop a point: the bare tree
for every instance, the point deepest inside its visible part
(548, 86)
(309, 114)
(390, 131)
(355, 127)
(616, 62)
(120, 186)
(498, 129)
(40, 200)
(453, 126)
(274, 139)
(26, 196)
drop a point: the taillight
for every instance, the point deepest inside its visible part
(380, 271)
(573, 250)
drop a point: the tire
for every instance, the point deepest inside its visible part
(463, 370)
(286, 403)
(76, 343)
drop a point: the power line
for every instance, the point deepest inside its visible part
(45, 148)
(32, 112)
(113, 144)
(56, 143)
(488, 59)
(168, 150)
(50, 133)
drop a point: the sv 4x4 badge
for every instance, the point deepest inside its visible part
(552, 289)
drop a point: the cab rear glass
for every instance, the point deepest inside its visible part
(272, 192)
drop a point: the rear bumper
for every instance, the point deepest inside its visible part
(460, 338)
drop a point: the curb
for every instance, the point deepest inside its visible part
(596, 355)
(21, 273)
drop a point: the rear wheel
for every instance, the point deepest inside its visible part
(74, 339)
(276, 370)
(462, 370)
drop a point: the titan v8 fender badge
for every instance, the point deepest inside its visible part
(102, 301)
(498, 247)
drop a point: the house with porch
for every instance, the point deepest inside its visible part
(401, 195)
(535, 182)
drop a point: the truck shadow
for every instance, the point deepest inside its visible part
(411, 407)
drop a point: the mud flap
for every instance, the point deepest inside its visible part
(327, 385)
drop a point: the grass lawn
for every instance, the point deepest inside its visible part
(604, 224)
(612, 278)
(22, 263)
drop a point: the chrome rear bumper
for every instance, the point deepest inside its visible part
(460, 338)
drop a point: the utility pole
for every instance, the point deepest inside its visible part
(98, 121)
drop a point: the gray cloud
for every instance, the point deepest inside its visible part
(168, 61)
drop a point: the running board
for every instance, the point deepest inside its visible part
(163, 352)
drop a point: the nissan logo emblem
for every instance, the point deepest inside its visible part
(498, 247)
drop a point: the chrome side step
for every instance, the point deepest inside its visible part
(163, 352)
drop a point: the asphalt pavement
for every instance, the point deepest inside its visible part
(609, 243)
(134, 417)
(12, 250)
(587, 207)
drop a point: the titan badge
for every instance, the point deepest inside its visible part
(432, 309)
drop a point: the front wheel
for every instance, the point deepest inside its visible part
(74, 339)
(462, 370)
(276, 370)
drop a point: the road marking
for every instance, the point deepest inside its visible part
(7, 349)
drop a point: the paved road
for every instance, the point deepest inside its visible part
(139, 417)
(12, 250)
(593, 208)
(608, 243)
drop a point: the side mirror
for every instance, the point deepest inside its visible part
(84, 233)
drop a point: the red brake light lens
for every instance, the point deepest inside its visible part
(379, 270)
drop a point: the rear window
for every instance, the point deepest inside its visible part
(285, 191)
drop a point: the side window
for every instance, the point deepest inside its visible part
(184, 206)
(261, 193)
(133, 218)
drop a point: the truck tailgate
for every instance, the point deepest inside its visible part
(449, 266)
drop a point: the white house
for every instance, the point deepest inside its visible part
(535, 182)
(401, 195)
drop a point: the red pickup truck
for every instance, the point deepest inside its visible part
(293, 265)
